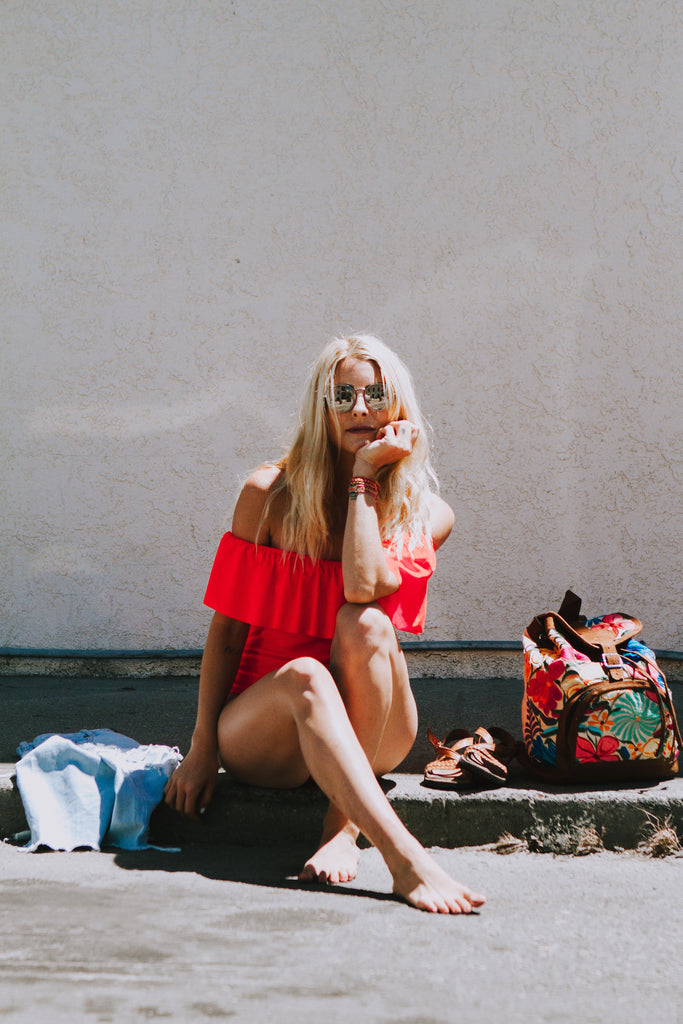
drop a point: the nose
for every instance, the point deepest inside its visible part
(360, 396)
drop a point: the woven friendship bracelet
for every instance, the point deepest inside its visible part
(363, 485)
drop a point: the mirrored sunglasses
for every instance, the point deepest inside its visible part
(343, 397)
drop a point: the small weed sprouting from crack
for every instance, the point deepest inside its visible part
(510, 844)
(660, 838)
(589, 841)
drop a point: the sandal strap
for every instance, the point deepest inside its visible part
(452, 750)
(497, 740)
(483, 757)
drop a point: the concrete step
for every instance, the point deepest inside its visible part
(161, 710)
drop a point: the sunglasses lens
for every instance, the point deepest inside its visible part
(375, 396)
(343, 397)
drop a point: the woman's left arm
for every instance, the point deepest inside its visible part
(441, 520)
(367, 576)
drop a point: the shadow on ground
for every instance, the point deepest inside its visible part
(274, 867)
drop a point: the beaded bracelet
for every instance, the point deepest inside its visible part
(363, 485)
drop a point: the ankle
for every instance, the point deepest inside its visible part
(335, 822)
(403, 856)
(346, 830)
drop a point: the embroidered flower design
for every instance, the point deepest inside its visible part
(546, 754)
(599, 720)
(606, 749)
(635, 716)
(542, 688)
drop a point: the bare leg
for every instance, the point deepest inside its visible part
(294, 723)
(338, 855)
(371, 674)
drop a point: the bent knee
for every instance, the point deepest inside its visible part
(308, 687)
(364, 624)
(305, 677)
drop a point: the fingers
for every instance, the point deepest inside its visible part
(174, 794)
(188, 799)
(402, 433)
(405, 426)
(394, 442)
(206, 796)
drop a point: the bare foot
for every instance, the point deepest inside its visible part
(335, 861)
(427, 886)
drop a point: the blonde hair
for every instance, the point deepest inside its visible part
(308, 468)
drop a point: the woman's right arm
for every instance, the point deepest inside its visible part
(191, 786)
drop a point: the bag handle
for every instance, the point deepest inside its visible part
(570, 609)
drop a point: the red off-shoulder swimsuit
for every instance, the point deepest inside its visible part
(291, 602)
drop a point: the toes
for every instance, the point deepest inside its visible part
(310, 873)
(433, 903)
(453, 905)
(436, 901)
(470, 901)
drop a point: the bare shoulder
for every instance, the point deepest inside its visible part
(248, 520)
(442, 519)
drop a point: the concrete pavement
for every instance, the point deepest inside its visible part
(226, 932)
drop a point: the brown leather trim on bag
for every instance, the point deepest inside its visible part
(572, 714)
(570, 612)
(605, 651)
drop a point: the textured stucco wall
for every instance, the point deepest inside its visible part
(198, 195)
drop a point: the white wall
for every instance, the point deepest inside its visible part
(200, 194)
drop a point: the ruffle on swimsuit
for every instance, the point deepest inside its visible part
(291, 602)
(268, 587)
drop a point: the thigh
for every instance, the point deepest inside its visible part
(370, 668)
(401, 726)
(258, 741)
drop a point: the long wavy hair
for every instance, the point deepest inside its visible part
(308, 468)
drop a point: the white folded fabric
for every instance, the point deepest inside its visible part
(91, 787)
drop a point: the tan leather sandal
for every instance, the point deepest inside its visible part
(488, 754)
(446, 772)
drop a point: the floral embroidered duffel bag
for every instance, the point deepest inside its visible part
(596, 705)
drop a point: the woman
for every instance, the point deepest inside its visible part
(302, 674)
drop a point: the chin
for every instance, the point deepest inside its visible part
(356, 444)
